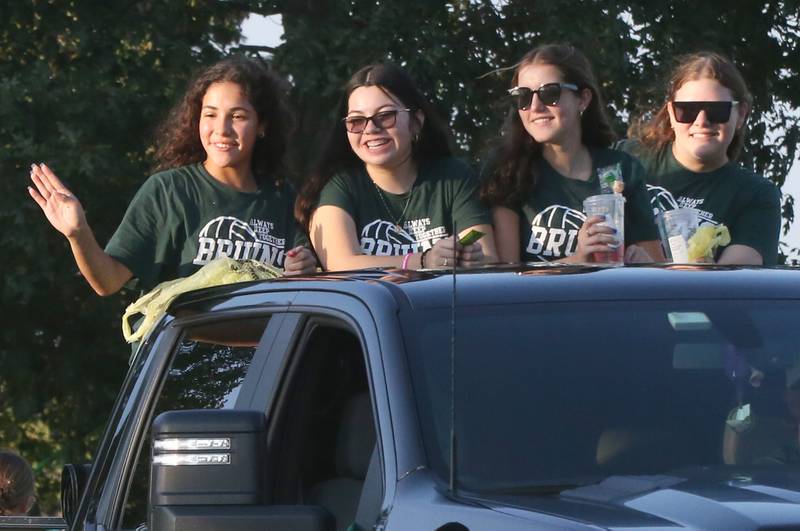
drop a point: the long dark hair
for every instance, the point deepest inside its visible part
(656, 132)
(16, 483)
(510, 169)
(337, 155)
(178, 139)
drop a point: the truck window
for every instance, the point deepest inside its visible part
(206, 371)
(322, 438)
(571, 393)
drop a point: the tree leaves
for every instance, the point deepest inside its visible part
(82, 86)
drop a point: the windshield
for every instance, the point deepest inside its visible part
(570, 393)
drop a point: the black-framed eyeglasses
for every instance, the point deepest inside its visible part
(717, 112)
(549, 94)
(382, 120)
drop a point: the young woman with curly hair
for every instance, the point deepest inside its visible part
(387, 191)
(218, 190)
(689, 147)
(551, 154)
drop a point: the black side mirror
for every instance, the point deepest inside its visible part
(73, 481)
(208, 473)
(208, 457)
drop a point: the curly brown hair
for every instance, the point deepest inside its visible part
(656, 133)
(178, 139)
(509, 175)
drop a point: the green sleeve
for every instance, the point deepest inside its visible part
(339, 192)
(142, 241)
(639, 223)
(467, 208)
(758, 224)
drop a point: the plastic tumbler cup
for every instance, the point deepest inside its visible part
(676, 227)
(612, 206)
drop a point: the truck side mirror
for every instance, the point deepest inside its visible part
(73, 482)
(208, 472)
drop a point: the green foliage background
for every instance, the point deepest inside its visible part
(82, 86)
(84, 83)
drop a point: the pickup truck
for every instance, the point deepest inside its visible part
(552, 397)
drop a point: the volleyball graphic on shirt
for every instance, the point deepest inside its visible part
(229, 236)
(661, 199)
(227, 227)
(384, 238)
(554, 233)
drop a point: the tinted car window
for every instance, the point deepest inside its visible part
(206, 372)
(570, 393)
(120, 417)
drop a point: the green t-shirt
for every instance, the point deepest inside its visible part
(748, 204)
(397, 224)
(182, 218)
(552, 214)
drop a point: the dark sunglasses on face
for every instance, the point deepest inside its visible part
(717, 112)
(549, 94)
(382, 120)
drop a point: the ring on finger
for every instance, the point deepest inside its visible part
(444, 263)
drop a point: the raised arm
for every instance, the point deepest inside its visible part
(62, 209)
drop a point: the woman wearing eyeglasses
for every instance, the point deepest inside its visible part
(387, 192)
(689, 148)
(552, 155)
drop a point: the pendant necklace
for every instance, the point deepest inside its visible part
(397, 220)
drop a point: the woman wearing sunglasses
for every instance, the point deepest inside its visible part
(689, 147)
(552, 155)
(218, 190)
(387, 192)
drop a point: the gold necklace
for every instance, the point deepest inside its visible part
(396, 221)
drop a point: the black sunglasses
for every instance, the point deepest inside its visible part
(549, 94)
(717, 112)
(382, 120)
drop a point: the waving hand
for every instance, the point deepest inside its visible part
(104, 273)
(60, 206)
